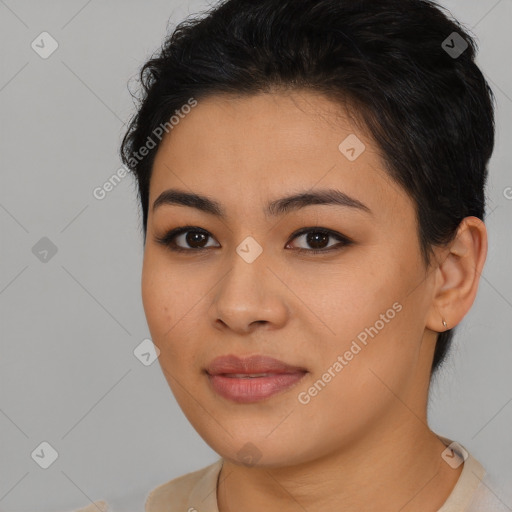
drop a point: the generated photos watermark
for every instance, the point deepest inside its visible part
(101, 192)
(304, 397)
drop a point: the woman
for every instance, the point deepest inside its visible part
(311, 175)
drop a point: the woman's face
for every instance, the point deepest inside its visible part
(353, 317)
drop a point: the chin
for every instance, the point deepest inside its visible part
(258, 451)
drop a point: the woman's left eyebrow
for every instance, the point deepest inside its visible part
(274, 208)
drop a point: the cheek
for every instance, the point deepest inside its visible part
(348, 297)
(373, 319)
(169, 309)
(153, 298)
(162, 299)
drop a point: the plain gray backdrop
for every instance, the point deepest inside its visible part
(71, 319)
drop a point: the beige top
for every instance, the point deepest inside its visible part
(197, 491)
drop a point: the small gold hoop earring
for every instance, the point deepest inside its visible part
(444, 323)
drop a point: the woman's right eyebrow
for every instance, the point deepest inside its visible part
(274, 208)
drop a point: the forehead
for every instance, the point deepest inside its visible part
(301, 121)
(264, 145)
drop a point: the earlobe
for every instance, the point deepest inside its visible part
(458, 275)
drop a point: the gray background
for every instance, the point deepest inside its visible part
(69, 326)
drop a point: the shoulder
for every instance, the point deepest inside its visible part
(487, 499)
(195, 489)
(475, 491)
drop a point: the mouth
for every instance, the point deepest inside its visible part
(247, 375)
(252, 379)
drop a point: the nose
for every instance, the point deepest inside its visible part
(249, 295)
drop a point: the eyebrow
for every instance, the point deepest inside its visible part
(274, 208)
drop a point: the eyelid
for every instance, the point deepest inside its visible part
(319, 229)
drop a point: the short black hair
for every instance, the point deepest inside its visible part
(406, 67)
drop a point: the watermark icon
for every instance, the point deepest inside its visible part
(44, 455)
(249, 249)
(158, 132)
(454, 45)
(44, 250)
(507, 192)
(304, 397)
(44, 45)
(249, 454)
(351, 147)
(454, 455)
(146, 352)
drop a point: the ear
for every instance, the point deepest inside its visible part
(458, 274)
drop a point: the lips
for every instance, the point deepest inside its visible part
(246, 375)
(250, 367)
(252, 379)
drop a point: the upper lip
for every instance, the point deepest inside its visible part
(231, 364)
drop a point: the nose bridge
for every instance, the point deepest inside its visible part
(246, 293)
(248, 268)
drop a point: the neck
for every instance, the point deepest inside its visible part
(397, 466)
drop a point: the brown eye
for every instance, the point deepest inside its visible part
(318, 240)
(194, 237)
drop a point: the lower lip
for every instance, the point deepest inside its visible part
(247, 390)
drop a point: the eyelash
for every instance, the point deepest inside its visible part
(168, 239)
